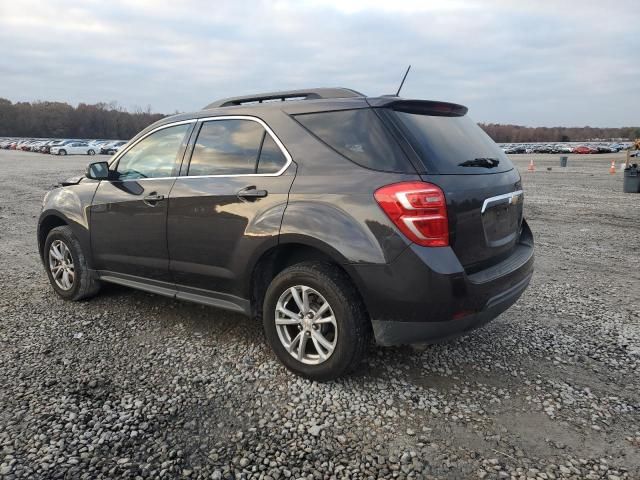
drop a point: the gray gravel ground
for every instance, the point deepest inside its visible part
(131, 385)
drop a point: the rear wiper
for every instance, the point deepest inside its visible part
(481, 162)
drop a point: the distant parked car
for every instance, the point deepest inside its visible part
(29, 145)
(563, 149)
(46, 148)
(73, 148)
(117, 148)
(604, 149)
(582, 149)
(23, 145)
(35, 147)
(112, 147)
(615, 147)
(59, 143)
(542, 149)
(104, 148)
(98, 144)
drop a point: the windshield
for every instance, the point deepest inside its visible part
(453, 145)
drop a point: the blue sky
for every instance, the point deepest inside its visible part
(563, 62)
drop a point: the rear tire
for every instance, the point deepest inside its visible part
(331, 348)
(62, 252)
(91, 152)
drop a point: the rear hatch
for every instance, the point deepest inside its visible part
(482, 188)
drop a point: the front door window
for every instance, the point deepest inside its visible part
(154, 156)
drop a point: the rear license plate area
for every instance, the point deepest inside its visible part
(501, 223)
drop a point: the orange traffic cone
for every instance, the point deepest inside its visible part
(612, 168)
(531, 167)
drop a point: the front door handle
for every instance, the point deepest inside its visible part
(251, 193)
(153, 198)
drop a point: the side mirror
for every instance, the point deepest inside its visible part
(98, 171)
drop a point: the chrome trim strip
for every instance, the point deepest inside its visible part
(209, 119)
(497, 198)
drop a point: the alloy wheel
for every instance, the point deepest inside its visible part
(61, 265)
(306, 325)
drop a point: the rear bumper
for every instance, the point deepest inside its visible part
(425, 295)
(400, 333)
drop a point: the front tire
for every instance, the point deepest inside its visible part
(91, 152)
(62, 152)
(315, 322)
(67, 266)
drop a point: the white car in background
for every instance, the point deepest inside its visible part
(74, 148)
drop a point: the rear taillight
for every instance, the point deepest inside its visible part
(418, 209)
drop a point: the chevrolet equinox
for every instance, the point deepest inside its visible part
(328, 215)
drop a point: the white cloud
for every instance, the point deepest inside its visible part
(544, 63)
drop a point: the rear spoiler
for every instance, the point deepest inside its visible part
(420, 107)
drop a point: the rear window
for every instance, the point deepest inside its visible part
(358, 135)
(444, 143)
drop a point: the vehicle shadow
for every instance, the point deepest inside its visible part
(439, 366)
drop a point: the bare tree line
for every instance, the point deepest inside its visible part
(108, 120)
(520, 134)
(61, 120)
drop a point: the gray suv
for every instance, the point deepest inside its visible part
(330, 216)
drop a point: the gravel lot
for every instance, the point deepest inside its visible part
(131, 385)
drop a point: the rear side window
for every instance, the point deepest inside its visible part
(226, 147)
(358, 135)
(235, 147)
(452, 145)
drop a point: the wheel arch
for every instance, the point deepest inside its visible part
(46, 224)
(289, 252)
(52, 219)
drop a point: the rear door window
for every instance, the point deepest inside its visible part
(452, 145)
(235, 147)
(358, 135)
(226, 147)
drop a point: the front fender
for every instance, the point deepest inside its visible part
(68, 205)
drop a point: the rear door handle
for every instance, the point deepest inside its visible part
(251, 193)
(153, 198)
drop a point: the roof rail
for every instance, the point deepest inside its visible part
(307, 94)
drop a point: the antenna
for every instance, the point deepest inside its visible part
(403, 79)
